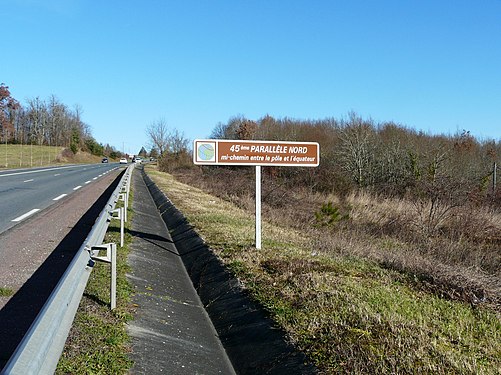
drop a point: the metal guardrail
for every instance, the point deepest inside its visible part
(42, 345)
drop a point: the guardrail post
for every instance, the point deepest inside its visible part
(127, 182)
(125, 199)
(120, 216)
(128, 185)
(111, 257)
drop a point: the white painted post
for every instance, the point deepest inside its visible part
(120, 213)
(129, 177)
(113, 289)
(258, 207)
(111, 257)
(126, 205)
(124, 198)
(122, 226)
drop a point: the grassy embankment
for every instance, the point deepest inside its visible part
(346, 311)
(98, 342)
(27, 156)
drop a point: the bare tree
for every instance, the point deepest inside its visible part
(236, 128)
(159, 135)
(171, 145)
(358, 144)
(178, 143)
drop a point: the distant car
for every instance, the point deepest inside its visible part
(105, 160)
(137, 160)
(123, 161)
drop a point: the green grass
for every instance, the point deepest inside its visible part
(17, 156)
(348, 314)
(98, 342)
(23, 156)
(6, 292)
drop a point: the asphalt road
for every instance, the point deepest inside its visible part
(24, 192)
(36, 252)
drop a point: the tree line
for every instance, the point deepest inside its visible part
(385, 158)
(46, 123)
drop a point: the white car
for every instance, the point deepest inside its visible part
(138, 160)
(123, 161)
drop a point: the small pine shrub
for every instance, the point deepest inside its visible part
(329, 215)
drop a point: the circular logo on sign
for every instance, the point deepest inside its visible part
(206, 152)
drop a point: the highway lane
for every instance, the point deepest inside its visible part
(24, 192)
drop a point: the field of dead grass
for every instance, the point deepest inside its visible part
(29, 156)
(461, 259)
(355, 295)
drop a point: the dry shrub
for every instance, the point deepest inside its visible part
(381, 215)
(477, 223)
(65, 155)
(458, 256)
(462, 260)
(175, 161)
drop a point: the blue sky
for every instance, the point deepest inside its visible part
(432, 65)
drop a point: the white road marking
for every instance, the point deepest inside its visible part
(95, 178)
(77, 187)
(27, 214)
(57, 174)
(88, 182)
(37, 171)
(59, 197)
(29, 180)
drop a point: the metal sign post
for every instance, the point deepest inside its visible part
(258, 207)
(258, 154)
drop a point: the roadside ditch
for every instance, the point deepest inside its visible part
(252, 341)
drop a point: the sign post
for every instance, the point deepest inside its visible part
(258, 154)
(258, 207)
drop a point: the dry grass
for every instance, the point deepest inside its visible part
(464, 260)
(326, 286)
(460, 260)
(22, 156)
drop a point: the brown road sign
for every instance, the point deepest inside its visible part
(264, 153)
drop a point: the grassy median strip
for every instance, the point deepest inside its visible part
(347, 313)
(98, 342)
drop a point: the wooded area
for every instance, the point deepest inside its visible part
(383, 158)
(46, 123)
